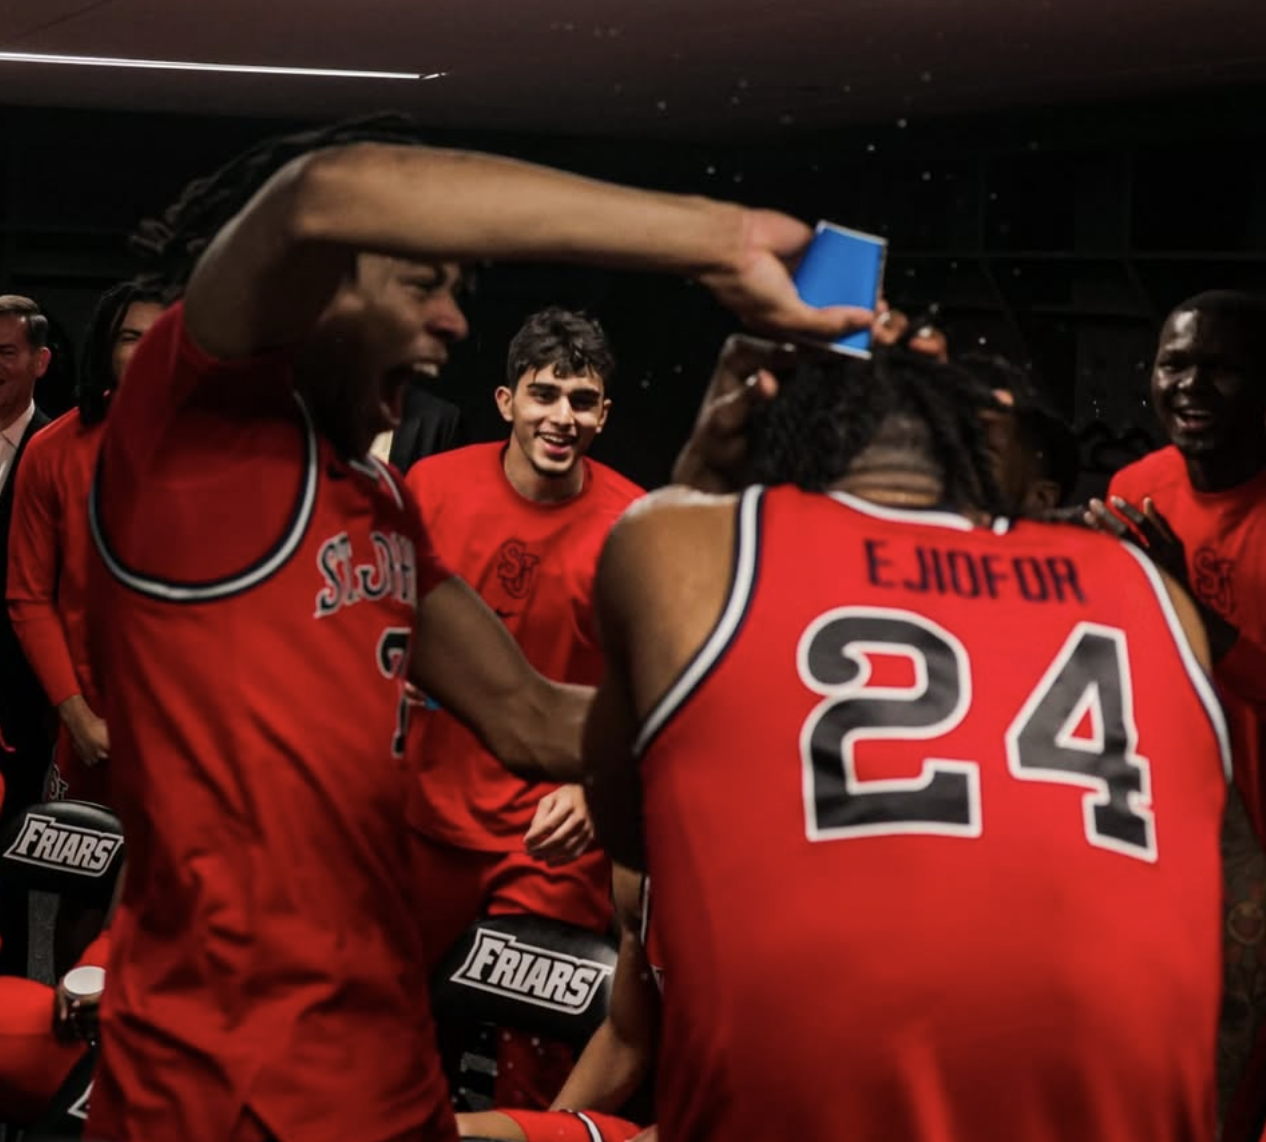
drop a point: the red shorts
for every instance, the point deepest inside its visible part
(461, 885)
(571, 1126)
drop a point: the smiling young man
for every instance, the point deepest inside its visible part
(522, 522)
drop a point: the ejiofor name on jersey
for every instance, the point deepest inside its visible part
(971, 574)
(392, 572)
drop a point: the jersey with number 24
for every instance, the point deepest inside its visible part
(933, 825)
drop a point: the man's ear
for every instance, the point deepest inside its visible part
(42, 360)
(604, 410)
(504, 397)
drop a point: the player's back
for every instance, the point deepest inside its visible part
(933, 826)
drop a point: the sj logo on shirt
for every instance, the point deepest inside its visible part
(516, 568)
(1211, 581)
(349, 577)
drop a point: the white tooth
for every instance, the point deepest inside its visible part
(429, 369)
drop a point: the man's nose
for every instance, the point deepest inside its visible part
(447, 319)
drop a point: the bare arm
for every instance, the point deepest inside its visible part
(620, 1054)
(271, 271)
(1244, 948)
(1243, 905)
(466, 659)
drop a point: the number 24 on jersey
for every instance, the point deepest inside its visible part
(1088, 681)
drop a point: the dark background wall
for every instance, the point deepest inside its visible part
(1057, 238)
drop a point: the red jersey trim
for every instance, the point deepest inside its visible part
(1199, 680)
(742, 584)
(175, 592)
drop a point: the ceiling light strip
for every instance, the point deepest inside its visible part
(188, 65)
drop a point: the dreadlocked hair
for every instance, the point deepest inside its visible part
(96, 373)
(831, 407)
(173, 242)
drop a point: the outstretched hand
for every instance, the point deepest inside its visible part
(758, 287)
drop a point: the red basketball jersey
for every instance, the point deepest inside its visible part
(933, 823)
(48, 571)
(256, 597)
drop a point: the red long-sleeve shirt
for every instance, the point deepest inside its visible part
(49, 544)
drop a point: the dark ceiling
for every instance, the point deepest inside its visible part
(668, 68)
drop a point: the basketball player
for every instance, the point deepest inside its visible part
(816, 712)
(262, 589)
(49, 543)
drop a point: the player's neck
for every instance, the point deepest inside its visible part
(893, 478)
(1222, 471)
(538, 488)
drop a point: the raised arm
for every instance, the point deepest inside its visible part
(466, 659)
(271, 271)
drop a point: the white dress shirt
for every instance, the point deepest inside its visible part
(10, 438)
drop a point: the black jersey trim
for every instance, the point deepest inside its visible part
(644, 908)
(737, 604)
(171, 591)
(1199, 680)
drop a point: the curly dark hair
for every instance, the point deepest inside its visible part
(96, 375)
(172, 243)
(574, 343)
(830, 407)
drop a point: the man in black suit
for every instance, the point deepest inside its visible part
(26, 737)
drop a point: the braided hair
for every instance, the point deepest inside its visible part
(173, 242)
(832, 407)
(96, 371)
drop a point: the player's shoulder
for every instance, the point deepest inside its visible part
(434, 473)
(667, 522)
(611, 489)
(1156, 472)
(49, 446)
(54, 433)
